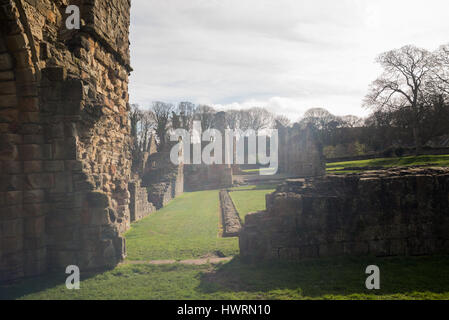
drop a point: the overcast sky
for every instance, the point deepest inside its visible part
(286, 55)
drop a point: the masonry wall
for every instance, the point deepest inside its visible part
(387, 213)
(207, 177)
(300, 153)
(64, 136)
(163, 180)
(139, 205)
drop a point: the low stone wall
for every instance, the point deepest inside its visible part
(139, 205)
(230, 217)
(394, 212)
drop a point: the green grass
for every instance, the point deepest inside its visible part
(188, 227)
(426, 160)
(343, 278)
(250, 198)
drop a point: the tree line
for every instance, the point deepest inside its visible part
(409, 104)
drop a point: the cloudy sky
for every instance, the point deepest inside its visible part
(286, 55)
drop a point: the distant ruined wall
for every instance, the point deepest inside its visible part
(207, 177)
(387, 213)
(163, 179)
(300, 153)
(64, 136)
(139, 206)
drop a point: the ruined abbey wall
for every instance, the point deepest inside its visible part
(300, 153)
(64, 136)
(395, 212)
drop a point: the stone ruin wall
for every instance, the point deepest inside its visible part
(207, 177)
(139, 206)
(163, 179)
(396, 212)
(300, 153)
(64, 136)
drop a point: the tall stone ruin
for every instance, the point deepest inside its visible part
(64, 136)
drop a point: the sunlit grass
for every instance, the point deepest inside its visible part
(188, 227)
(425, 160)
(339, 278)
(250, 198)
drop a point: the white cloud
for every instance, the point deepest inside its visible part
(287, 55)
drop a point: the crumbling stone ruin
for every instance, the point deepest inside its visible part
(394, 212)
(208, 177)
(300, 153)
(64, 136)
(163, 179)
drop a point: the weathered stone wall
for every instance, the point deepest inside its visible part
(163, 180)
(385, 213)
(64, 136)
(207, 177)
(300, 153)
(139, 206)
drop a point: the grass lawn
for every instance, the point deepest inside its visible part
(426, 160)
(188, 227)
(250, 198)
(343, 278)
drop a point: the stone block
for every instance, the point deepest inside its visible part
(35, 209)
(11, 212)
(29, 104)
(11, 228)
(6, 75)
(55, 73)
(11, 245)
(8, 101)
(11, 182)
(12, 167)
(6, 62)
(33, 166)
(29, 152)
(98, 199)
(13, 197)
(54, 166)
(8, 88)
(33, 196)
(35, 226)
(17, 42)
(39, 181)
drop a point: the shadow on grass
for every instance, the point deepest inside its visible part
(23, 287)
(331, 277)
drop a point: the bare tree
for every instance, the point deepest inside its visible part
(259, 118)
(351, 121)
(233, 119)
(135, 115)
(162, 112)
(186, 111)
(320, 118)
(402, 84)
(205, 114)
(147, 125)
(442, 71)
(282, 120)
